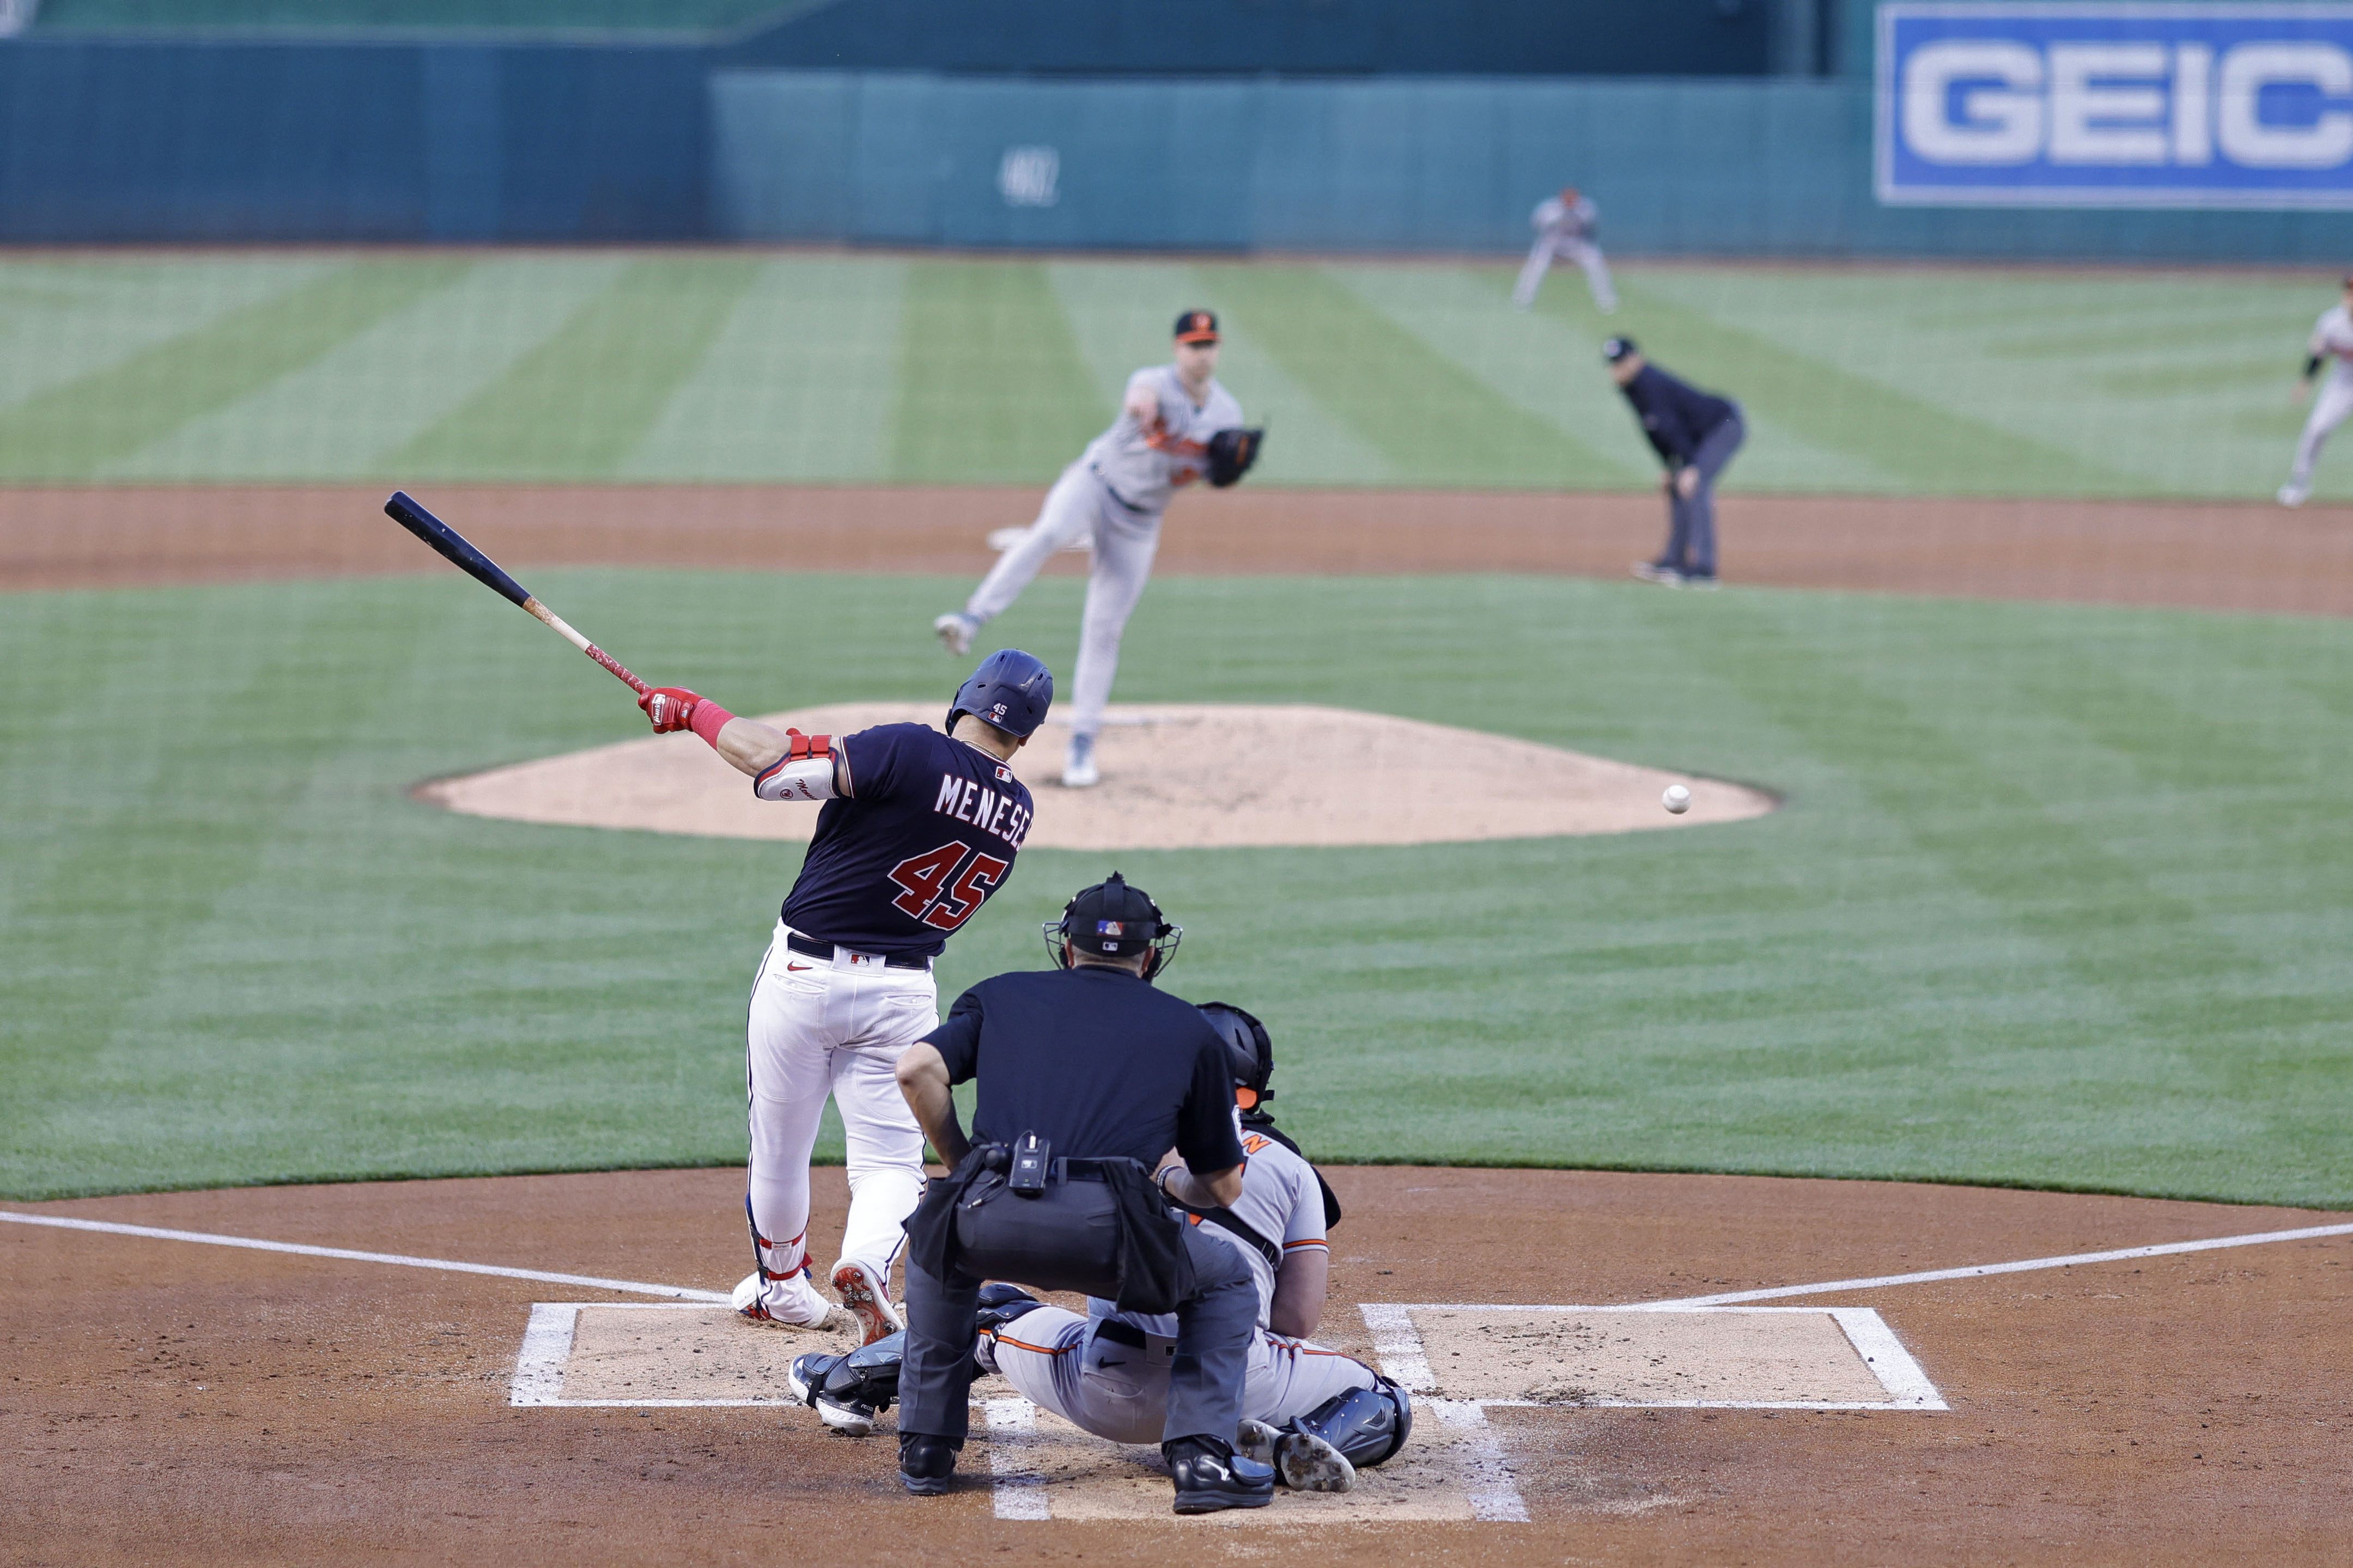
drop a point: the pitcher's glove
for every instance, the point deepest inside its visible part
(1231, 453)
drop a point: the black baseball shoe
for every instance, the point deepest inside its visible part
(927, 1464)
(1000, 1304)
(1210, 1476)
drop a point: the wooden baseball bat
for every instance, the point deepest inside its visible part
(455, 548)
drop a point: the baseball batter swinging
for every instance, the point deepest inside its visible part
(1175, 425)
(918, 829)
(2332, 340)
(1312, 1412)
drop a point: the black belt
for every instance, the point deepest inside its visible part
(810, 947)
(1114, 495)
(1120, 1334)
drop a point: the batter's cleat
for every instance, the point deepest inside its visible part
(2294, 494)
(1659, 572)
(1305, 1462)
(868, 1299)
(1210, 1477)
(955, 631)
(1079, 771)
(926, 1463)
(801, 1308)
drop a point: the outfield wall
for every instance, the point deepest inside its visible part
(1772, 166)
(172, 140)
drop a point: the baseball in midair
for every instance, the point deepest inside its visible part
(1677, 799)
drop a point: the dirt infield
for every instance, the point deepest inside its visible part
(2212, 556)
(176, 1402)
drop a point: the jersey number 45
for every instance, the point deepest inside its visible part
(943, 886)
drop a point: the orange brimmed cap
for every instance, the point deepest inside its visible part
(1198, 327)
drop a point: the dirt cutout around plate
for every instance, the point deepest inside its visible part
(1602, 1357)
(1190, 776)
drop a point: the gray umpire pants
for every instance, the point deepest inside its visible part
(1691, 532)
(1056, 1242)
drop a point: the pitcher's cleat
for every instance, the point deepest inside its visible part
(1079, 771)
(955, 631)
(2294, 494)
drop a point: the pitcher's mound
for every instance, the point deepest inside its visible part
(1190, 775)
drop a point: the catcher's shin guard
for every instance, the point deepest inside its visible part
(1366, 1425)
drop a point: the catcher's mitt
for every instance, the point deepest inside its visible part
(1231, 453)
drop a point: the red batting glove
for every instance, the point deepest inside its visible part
(670, 708)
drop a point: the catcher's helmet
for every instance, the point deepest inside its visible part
(1010, 690)
(1114, 918)
(1248, 1048)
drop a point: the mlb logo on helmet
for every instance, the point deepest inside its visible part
(997, 711)
(1109, 928)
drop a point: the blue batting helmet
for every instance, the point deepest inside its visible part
(1010, 690)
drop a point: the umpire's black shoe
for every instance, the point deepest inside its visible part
(1210, 1476)
(926, 1463)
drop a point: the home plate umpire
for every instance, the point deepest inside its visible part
(1086, 1076)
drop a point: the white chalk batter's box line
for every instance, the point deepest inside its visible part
(1397, 1344)
(547, 1339)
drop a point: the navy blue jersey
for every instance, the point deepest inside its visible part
(1097, 1063)
(928, 831)
(1676, 416)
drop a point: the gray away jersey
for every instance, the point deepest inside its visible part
(1144, 476)
(1281, 1200)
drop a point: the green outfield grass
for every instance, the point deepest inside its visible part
(2059, 896)
(744, 366)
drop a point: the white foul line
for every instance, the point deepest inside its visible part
(634, 1287)
(1980, 1270)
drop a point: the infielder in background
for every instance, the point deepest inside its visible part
(918, 829)
(2332, 339)
(1694, 433)
(1175, 425)
(1565, 226)
(1310, 1412)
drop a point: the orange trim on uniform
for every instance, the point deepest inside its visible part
(1313, 1241)
(1003, 1338)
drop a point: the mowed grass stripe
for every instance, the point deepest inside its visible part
(1432, 421)
(1934, 448)
(577, 406)
(1991, 832)
(68, 432)
(993, 385)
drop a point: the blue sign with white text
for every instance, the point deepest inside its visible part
(2115, 105)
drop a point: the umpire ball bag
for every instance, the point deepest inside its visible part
(1099, 1228)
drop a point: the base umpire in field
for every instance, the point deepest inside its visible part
(1086, 1077)
(1695, 433)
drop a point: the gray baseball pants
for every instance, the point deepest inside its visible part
(1079, 507)
(1691, 532)
(1107, 1378)
(1215, 1325)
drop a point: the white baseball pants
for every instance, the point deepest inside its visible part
(834, 1027)
(2333, 402)
(1079, 507)
(1584, 252)
(1117, 1392)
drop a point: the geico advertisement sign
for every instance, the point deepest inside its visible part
(2101, 105)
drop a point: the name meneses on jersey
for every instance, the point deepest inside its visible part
(974, 803)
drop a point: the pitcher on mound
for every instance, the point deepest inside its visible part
(1175, 425)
